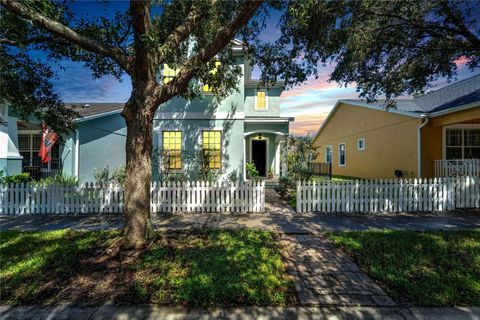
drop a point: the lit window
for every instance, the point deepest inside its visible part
(342, 159)
(361, 144)
(172, 149)
(212, 149)
(261, 100)
(328, 154)
(168, 73)
(206, 87)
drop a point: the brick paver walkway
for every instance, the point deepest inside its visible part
(323, 275)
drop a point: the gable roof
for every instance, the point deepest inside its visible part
(458, 96)
(88, 111)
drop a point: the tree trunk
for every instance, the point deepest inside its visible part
(139, 119)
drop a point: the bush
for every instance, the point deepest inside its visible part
(286, 187)
(252, 172)
(104, 176)
(16, 178)
(60, 179)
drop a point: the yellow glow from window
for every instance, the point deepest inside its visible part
(168, 73)
(261, 100)
(212, 148)
(172, 149)
(206, 87)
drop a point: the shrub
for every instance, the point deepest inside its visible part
(252, 172)
(286, 187)
(103, 175)
(16, 178)
(60, 179)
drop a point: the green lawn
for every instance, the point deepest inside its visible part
(198, 268)
(434, 268)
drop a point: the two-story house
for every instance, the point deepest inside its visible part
(195, 138)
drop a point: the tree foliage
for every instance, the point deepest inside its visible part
(384, 48)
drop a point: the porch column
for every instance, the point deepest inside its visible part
(284, 156)
(244, 159)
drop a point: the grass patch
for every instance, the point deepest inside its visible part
(433, 268)
(336, 178)
(198, 268)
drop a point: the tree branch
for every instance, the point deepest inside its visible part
(462, 29)
(179, 34)
(67, 33)
(19, 43)
(223, 38)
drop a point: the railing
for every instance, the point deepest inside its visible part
(44, 170)
(196, 196)
(422, 195)
(320, 169)
(454, 168)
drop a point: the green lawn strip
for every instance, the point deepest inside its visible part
(197, 268)
(431, 268)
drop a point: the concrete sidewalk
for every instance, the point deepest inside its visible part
(281, 220)
(155, 312)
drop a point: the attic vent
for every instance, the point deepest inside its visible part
(86, 105)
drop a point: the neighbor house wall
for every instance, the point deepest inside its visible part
(390, 142)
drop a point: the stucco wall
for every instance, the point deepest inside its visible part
(232, 144)
(432, 136)
(102, 144)
(390, 142)
(273, 103)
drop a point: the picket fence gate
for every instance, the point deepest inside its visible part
(197, 196)
(399, 195)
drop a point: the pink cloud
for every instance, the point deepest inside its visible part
(311, 85)
(460, 62)
(305, 124)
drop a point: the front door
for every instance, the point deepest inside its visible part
(259, 156)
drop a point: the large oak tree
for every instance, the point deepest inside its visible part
(188, 36)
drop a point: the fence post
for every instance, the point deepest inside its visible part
(299, 197)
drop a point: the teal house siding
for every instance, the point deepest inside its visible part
(100, 136)
(101, 144)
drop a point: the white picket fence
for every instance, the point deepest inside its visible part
(421, 195)
(198, 196)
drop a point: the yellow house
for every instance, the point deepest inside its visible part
(437, 134)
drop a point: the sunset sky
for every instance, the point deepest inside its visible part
(309, 103)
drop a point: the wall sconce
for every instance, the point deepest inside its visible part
(259, 137)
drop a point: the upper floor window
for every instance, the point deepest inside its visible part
(361, 144)
(328, 154)
(206, 87)
(168, 73)
(261, 100)
(212, 149)
(342, 154)
(172, 149)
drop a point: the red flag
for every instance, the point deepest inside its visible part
(48, 140)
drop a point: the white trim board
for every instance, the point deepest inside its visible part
(199, 115)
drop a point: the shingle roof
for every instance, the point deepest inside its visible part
(91, 109)
(455, 95)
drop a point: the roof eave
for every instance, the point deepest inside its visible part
(456, 109)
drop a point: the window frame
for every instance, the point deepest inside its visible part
(331, 153)
(462, 128)
(358, 146)
(202, 130)
(166, 166)
(345, 155)
(256, 100)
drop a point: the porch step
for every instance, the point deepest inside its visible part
(271, 184)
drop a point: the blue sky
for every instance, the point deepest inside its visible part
(308, 103)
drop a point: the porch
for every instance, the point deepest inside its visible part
(457, 167)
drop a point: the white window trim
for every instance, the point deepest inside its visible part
(182, 147)
(363, 148)
(331, 153)
(455, 126)
(267, 154)
(222, 145)
(339, 164)
(266, 101)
